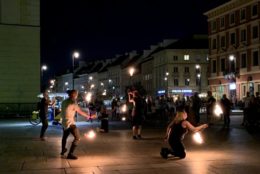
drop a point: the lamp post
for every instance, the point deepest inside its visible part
(75, 55)
(43, 68)
(198, 76)
(131, 73)
(166, 80)
(232, 77)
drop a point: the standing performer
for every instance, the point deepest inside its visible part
(44, 104)
(68, 109)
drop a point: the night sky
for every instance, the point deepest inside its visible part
(103, 28)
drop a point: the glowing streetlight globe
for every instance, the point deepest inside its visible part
(131, 71)
(44, 67)
(76, 54)
(123, 119)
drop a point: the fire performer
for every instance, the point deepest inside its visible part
(175, 133)
(68, 109)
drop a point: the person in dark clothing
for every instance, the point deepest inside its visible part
(175, 133)
(44, 104)
(210, 105)
(103, 116)
(137, 114)
(226, 107)
(196, 105)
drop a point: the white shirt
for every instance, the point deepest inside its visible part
(68, 111)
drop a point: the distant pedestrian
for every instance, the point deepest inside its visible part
(246, 103)
(210, 106)
(44, 104)
(226, 108)
(137, 114)
(196, 105)
(175, 133)
(103, 116)
(68, 109)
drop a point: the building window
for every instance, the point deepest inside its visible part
(232, 19)
(255, 32)
(255, 58)
(214, 66)
(254, 10)
(213, 25)
(242, 14)
(243, 60)
(222, 65)
(232, 38)
(222, 22)
(175, 69)
(186, 69)
(223, 41)
(243, 35)
(176, 82)
(187, 82)
(175, 58)
(186, 57)
(214, 44)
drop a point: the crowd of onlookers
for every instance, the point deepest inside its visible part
(163, 108)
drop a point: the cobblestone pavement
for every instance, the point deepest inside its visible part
(231, 150)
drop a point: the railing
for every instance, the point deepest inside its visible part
(17, 109)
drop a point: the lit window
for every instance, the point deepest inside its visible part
(186, 57)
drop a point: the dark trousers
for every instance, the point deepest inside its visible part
(104, 125)
(178, 148)
(226, 119)
(75, 132)
(44, 126)
(197, 116)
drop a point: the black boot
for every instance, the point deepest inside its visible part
(70, 155)
(164, 152)
(63, 151)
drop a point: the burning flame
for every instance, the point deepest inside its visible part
(218, 111)
(88, 97)
(90, 134)
(197, 138)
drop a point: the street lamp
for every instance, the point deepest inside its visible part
(131, 73)
(43, 68)
(232, 77)
(75, 55)
(166, 80)
(198, 76)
